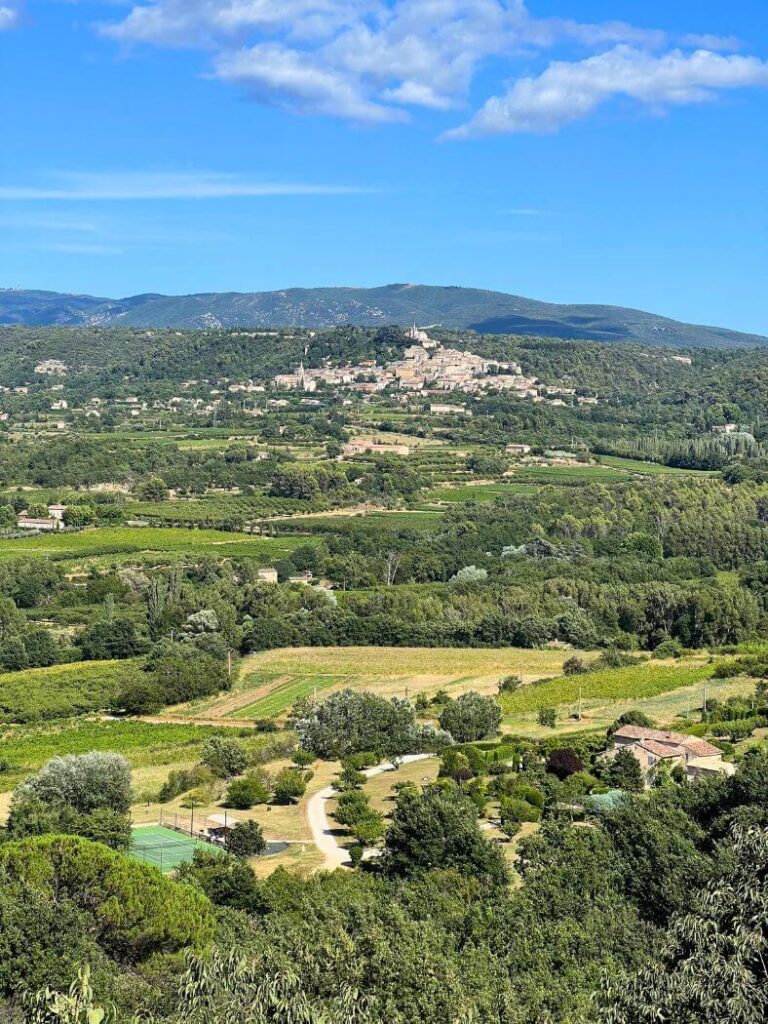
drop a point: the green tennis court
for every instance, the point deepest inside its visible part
(164, 847)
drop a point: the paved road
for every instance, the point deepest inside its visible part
(323, 829)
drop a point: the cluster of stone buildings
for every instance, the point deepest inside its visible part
(427, 367)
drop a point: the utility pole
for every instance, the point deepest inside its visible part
(192, 817)
(229, 663)
(579, 715)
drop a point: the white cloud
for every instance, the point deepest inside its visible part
(365, 60)
(709, 42)
(9, 16)
(132, 185)
(204, 22)
(567, 92)
(282, 77)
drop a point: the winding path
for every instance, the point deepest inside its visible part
(324, 831)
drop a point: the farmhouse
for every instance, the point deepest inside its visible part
(267, 575)
(367, 445)
(653, 746)
(35, 523)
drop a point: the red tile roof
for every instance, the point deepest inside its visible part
(661, 749)
(691, 745)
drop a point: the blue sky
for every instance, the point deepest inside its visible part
(588, 151)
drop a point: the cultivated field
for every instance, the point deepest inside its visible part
(646, 468)
(663, 691)
(270, 682)
(37, 694)
(143, 544)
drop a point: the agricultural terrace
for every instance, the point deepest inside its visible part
(270, 682)
(142, 544)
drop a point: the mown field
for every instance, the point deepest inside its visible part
(39, 694)
(145, 544)
(271, 681)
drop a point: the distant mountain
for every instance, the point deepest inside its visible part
(450, 307)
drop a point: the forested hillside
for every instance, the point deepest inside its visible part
(452, 307)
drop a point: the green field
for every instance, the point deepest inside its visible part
(145, 744)
(285, 694)
(632, 683)
(477, 492)
(645, 468)
(568, 475)
(37, 694)
(146, 542)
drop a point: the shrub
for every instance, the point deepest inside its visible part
(141, 694)
(303, 758)
(369, 830)
(471, 717)
(509, 684)
(668, 649)
(246, 792)
(85, 782)
(574, 666)
(289, 786)
(245, 840)
(564, 762)
(182, 781)
(531, 795)
(225, 757)
(512, 809)
(352, 807)
(547, 717)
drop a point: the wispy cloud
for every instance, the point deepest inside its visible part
(131, 186)
(567, 92)
(9, 17)
(526, 211)
(378, 61)
(79, 248)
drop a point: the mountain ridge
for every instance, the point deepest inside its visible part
(450, 306)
